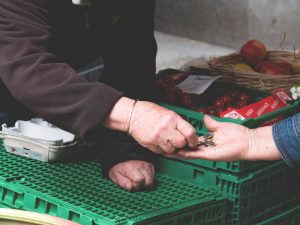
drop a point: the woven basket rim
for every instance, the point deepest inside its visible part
(221, 63)
(223, 66)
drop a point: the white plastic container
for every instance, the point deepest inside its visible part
(38, 139)
(19, 217)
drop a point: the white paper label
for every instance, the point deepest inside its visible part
(234, 115)
(195, 84)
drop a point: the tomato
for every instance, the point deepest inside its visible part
(219, 104)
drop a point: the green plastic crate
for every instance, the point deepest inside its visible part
(3, 206)
(255, 196)
(289, 217)
(235, 167)
(196, 119)
(77, 192)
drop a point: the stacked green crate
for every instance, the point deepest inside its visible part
(289, 217)
(255, 196)
(3, 206)
(76, 191)
(258, 190)
(196, 119)
(238, 167)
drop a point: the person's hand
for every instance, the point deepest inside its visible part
(160, 130)
(152, 126)
(235, 142)
(133, 175)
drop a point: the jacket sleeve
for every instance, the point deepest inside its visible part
(37, 79)
(286, 135)
(121, 147)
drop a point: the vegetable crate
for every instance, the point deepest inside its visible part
(289, 217)
(77, 192)
(196, 119)
(255, 196)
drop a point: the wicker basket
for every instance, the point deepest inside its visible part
(223, 66)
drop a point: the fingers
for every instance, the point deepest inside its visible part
(177, 140)
(166, 146)
(220, 152)
(148, 176)
(157, 149)
(169, 145)
(210, 123)
(121, 180)
(188, 132)
(209, 153)
(133, 175)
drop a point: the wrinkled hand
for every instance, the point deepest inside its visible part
(133, 175)
(160, 129)
(235, 142)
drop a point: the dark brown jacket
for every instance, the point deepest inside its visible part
(43, 42)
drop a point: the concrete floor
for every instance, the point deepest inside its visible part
(175, 52)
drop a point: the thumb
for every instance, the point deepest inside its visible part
(211, 124)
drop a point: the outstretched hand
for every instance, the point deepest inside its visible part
(235, 142)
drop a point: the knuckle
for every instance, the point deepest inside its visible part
(138, 178)
(127, 167)
(161, 126)
(146, 142)
(170, 116)
(165, 150)
(150, 166)
(156, 149)
(151, 139)
(173, 116)
(154, 138)
(170, 150)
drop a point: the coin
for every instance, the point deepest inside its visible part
(200, 143)
(209, 143)
(209, 135)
